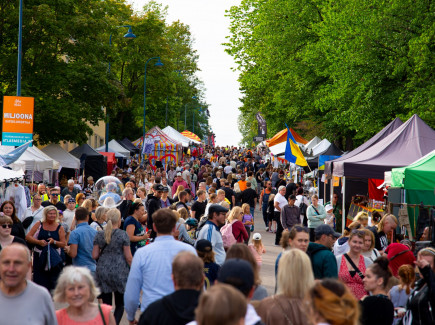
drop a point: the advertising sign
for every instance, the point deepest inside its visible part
(262, 127)
(258, 139)
(17, 126)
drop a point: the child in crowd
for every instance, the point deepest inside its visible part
(211, 269)
(248, 220)
(330, 218)
(257, 248)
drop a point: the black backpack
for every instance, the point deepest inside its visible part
(303, 211)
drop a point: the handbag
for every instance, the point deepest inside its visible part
(361, 275)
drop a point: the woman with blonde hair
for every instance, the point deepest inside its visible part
(180, 188)
(363, 218)
(369, 249)
(45, 235)
(87, 204)
(332, 303)
(235, 219)
(113, 255)
(77, 288)
(295, 279)
(100, 219)
(341, 245)
(181, 227)
(387, 224)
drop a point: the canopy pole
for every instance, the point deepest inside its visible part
(331, 190)
(343, 212)
(324, 190)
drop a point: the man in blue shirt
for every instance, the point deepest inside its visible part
(81, 241)
(152, 265)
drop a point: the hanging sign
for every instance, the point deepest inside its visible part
(17, 126)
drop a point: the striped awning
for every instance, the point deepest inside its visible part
(191, 135)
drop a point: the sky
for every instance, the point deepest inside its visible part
(209, 27)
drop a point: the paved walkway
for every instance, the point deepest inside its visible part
(267, 272)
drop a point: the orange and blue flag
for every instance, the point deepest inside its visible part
(293, 153)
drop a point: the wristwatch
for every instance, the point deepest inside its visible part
(54, 242)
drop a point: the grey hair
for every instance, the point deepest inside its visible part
(126, 191)
(71, 275)
(282, 187)
(70, 181)
(48, 209)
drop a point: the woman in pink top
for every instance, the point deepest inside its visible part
(352, 265)
(76, 287)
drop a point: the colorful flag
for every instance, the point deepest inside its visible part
(14, 155)
(293, 153)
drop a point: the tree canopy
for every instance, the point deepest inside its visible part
(344, 68)
(66, 55)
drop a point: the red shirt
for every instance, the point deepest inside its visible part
(239, 232)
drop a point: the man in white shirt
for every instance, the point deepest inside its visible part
(278, 203)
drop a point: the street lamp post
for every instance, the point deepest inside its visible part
(193, 123)
(20, 47)
(129, 35)
(157, 64)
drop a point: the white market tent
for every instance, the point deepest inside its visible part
(278, 149)
(32, 159)
(312, 143)
(7, 174)
(65, 159)
(115, 147)
(177, 136)
(321, 147)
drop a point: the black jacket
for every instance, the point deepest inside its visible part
(153, 204)
(178, 308)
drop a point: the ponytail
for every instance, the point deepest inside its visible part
(381, 269)
(113, 216)
(407, 277)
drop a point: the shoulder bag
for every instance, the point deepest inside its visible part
(361, 275)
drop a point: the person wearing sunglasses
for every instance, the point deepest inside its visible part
(353, 265)
(6, 238)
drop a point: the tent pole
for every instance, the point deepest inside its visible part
(324, 190)
(331, 190)
(343, 212)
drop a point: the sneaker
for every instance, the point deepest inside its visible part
(267, 228)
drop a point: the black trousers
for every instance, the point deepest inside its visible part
(119, 303)
(279, 228)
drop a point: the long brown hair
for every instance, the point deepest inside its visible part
(407, 277)
(14, 211)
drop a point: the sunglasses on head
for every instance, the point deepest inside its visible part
(7, 226)
(358, 232)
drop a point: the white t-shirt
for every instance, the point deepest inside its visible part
(281, 201)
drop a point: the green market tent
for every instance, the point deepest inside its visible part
(418, 179)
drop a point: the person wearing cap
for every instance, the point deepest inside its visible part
(154, 203)
(178, 308)
(68, 214)
(165, 199)
(330, 218)
(210, 230)
(151, 269)
(204, 249)
(322, 259)
(179, 181)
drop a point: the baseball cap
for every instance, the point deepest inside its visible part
(216, 208)
(220, 167)
(178, 174)
(256, 236)
(328, 207)
(203, 245)
(165, 189)
(71, 200)
(326, 230)
(158, 187)
(90, 178)
(238, 273)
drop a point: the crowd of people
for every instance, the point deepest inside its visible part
(181, 244)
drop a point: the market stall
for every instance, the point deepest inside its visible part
(177, 136)
(92, 163)
(191, 136)
(159, 148)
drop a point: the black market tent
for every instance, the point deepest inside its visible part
(127, 144)
(408, 143)
(331, 150)
(93, 163)
(393, 125)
